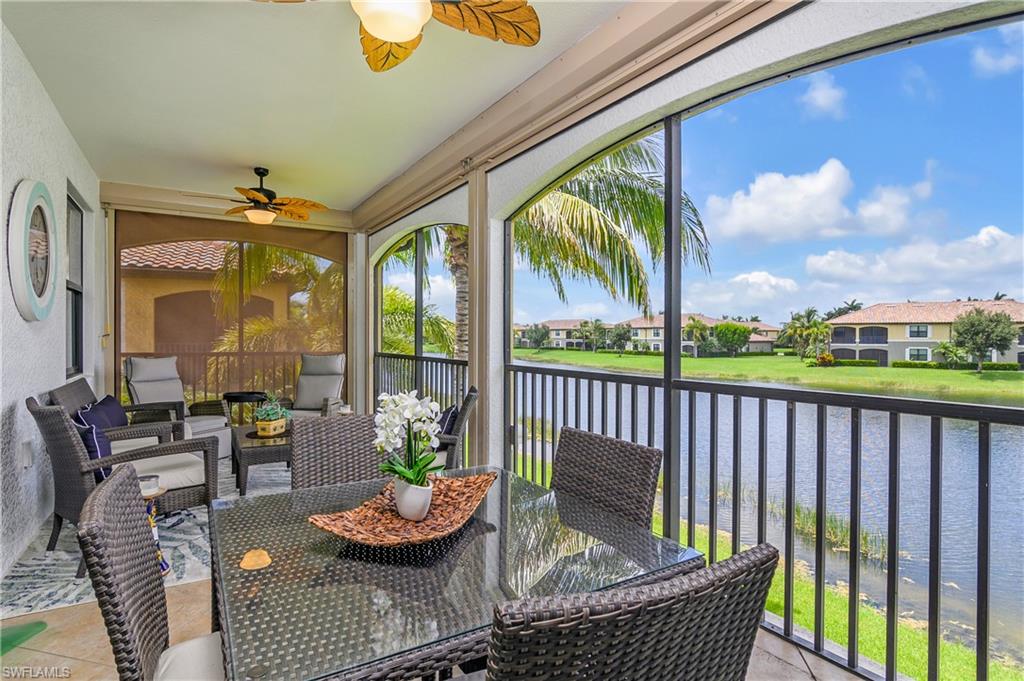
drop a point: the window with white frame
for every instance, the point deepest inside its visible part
(917, 331)
(657, 333)
(918, 354)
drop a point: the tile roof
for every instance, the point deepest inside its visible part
(561, 324)
(203, 256)
(928, 312)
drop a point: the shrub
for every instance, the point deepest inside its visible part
(811, 362)
(856, 362)
(986, 366)
(783, 351)
(826, 359)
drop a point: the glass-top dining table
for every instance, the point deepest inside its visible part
(326, 607)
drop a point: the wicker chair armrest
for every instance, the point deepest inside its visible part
(210, 408)
(165, 431)
(208, 446)
(156, 411)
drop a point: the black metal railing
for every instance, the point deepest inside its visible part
(766, 430)
(444, 379)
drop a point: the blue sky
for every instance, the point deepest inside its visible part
(899, 176)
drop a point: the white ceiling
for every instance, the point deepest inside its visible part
(192, 95)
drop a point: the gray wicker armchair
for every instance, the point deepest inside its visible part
(318, 387)
(119, 552)
(155, 380)
(78, 393)
(453, 445)
(333, 450)
(73, 470)
(619, 476)
(694, 627)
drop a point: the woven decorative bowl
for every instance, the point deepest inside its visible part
(377, 523)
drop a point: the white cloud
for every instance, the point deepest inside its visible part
(406, 281)
(917, 83)
(823, 97)
(759, 292)
(923, 269)
(589, 310)
(777, 207)
(440, 293)
(989, 62)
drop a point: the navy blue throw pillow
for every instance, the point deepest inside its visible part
(90, 427)
(447, 419)
(112, 411)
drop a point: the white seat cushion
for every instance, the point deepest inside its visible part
(175, 470)
(117, 446)
(197, 659)
(204, 424)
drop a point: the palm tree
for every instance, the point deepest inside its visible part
(398, 319)
(697, 331)
(952, 354)
(587, 228)
(999, 296)
(796, 329)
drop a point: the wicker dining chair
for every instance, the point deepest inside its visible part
(73, 470)
(333, 449)
(698, 626)
(120, 554)
(619, 476)
(453, 445)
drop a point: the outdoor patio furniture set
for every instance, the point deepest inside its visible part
(566, 582)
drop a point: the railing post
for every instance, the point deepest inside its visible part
(984, 545)
(935, 550)
(420, 266)
(892, 598)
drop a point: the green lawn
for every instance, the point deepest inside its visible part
(991, 387)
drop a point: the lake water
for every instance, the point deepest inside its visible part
(959, 494)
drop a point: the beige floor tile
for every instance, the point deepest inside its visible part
(784, 650)
(75, 632)
(766, 667)
(35, 664)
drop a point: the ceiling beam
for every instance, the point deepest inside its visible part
(121, 196)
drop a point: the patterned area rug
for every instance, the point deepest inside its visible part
(44, 581)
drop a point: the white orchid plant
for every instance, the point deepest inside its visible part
(407, 428)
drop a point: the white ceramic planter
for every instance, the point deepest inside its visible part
(413, 502)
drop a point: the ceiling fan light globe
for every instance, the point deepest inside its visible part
(259, 216)
(395, 21)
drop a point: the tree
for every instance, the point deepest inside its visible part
(847, 307)
(697, 331)
(600, 333)
(999, 296)
(952, 354)
(619, 337)
(980, 332)
(794, 330)
(817, 337)
(537, 335)
(398, 324)
(732, 336)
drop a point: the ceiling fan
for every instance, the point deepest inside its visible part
(390, 30)
(262, 205)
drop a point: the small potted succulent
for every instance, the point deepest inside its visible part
(271, 418)
(407, 428)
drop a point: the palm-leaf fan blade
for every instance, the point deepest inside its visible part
(252, 195)
(510, 21)
(237, 210)
(293, 202)
(382, 55)
(292, 213)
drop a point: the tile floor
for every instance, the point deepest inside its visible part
(75, 640)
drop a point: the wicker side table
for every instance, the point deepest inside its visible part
(253, 451)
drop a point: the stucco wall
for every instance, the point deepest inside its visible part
(138, 301)
(36, 144)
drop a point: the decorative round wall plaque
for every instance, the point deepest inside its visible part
(33, 250)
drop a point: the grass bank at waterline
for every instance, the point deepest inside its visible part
(990, 387)
(957, 661)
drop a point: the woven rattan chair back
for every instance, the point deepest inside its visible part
(120, 556)
(455, 449)
(73, 396)
(695, 627)
(619, 476)
(67, 455)
(331, 450)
